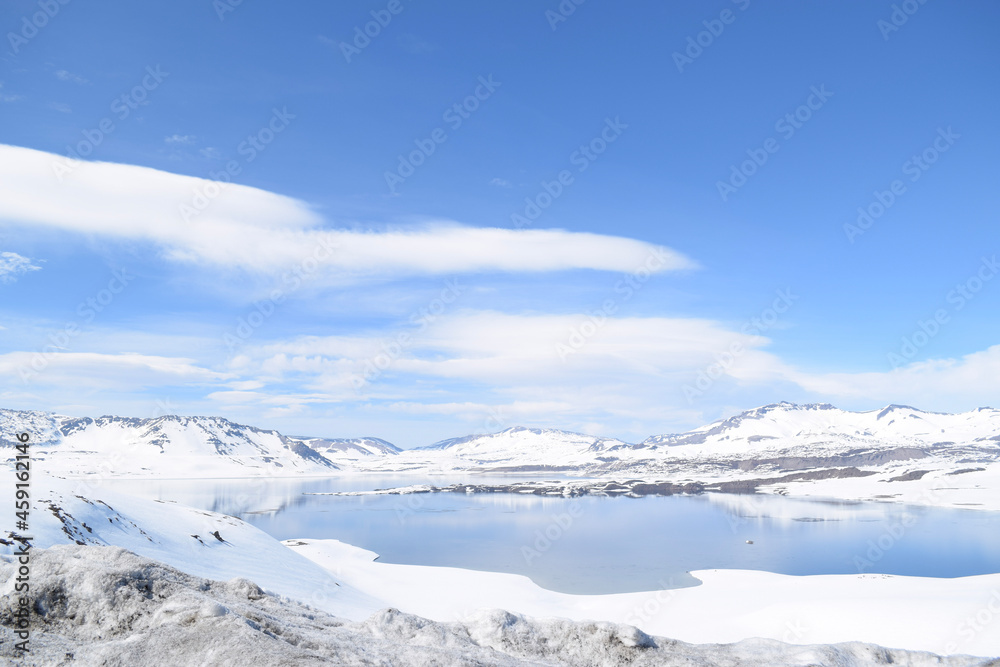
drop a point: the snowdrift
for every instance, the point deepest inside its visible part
(108, 606)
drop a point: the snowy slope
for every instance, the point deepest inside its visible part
(113, 606)
(125, 610)
(76, 511)
(527, 446)
(783, 436)
(348, 449)
(169, 446)
(760, 443)
(822, 426)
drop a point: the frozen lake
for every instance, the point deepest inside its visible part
(600, 544)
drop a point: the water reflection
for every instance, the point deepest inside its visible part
(604, 545)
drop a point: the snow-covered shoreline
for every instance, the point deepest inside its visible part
(916, 613)
(943, 616)
(805, 452)
(107, 606)
(976, 490)
(897, 454)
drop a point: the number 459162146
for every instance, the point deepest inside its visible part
(23, 474)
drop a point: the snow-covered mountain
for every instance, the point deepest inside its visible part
(762, 441)
(768, 439)
(821, 425)
(163, 446)
(526, 446)
(348, 448)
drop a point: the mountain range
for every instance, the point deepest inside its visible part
(772, 438)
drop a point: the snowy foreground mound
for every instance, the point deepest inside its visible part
(107, 606)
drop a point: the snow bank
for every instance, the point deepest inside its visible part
(75, 512)
(107, 606)
(947, 616)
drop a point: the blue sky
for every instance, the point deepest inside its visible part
(642, 299)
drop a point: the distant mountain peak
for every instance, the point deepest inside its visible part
(167, 444)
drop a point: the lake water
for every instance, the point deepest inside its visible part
(604, 545)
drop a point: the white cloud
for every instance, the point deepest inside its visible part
(482, 371)
(500, 183)
(496, 367)
(180, 139)
(13, 265)
(937, 384)
(103, 371)
(64, 75)
(9, 98)
(540, 367)
(60, 107)
(252, 229)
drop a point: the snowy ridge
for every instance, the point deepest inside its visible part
(527, 446)
(753, 444)
(777, 437)
(817, 424)
(348, 448)
(164, 446)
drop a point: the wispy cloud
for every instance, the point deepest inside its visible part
(180, 139)
(252, 229)
(60, 107)
(64, 75)
(13, 265)
(495, 366)
(112, 372)
(484, 370)
(936, 383)
(500, 183)
(9, 98)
